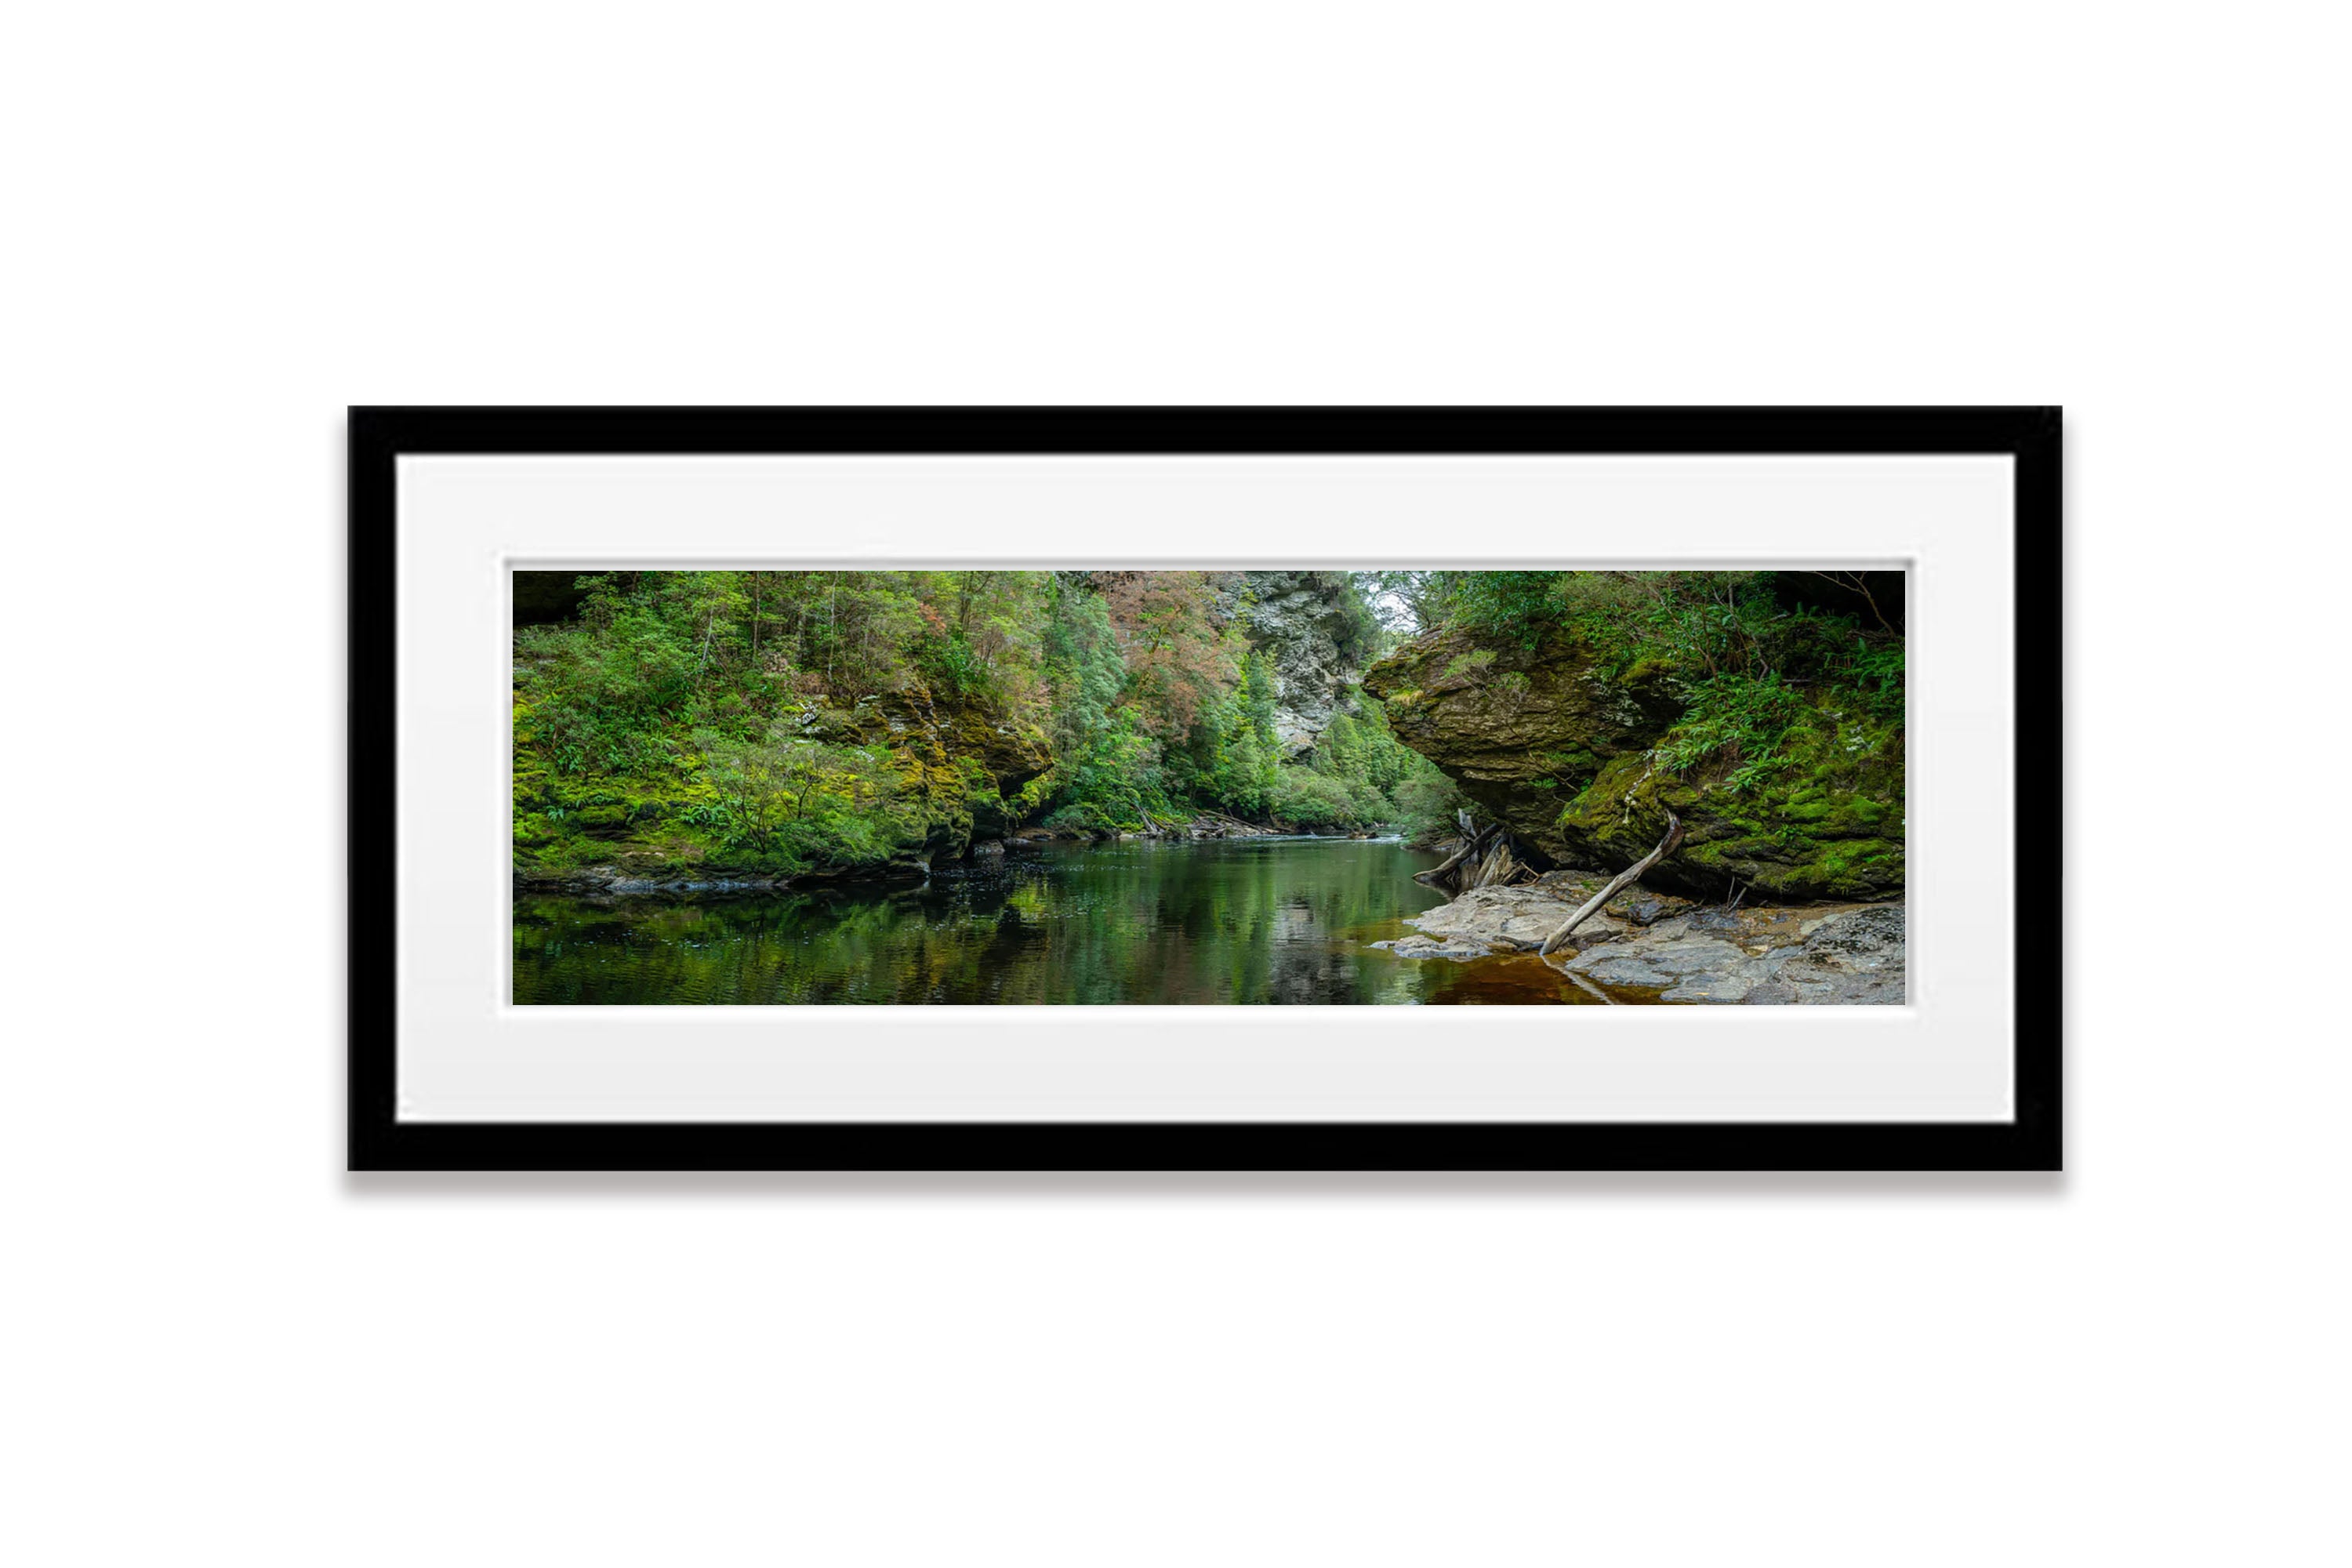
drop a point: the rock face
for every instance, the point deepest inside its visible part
(1301, 620)
(1557, 747)
(1838, 955)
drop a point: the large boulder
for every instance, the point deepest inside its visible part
(1515, 920)
(1558, 746)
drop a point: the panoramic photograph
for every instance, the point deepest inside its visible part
(973, 787)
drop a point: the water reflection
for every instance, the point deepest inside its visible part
(1240, 920)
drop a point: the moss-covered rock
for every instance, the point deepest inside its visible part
(1562, 749)
(962, 763)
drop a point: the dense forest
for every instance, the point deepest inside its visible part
(795, 721)
(814, 723)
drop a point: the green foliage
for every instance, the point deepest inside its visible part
(1877, 672)
(1736, 720)
(1692, 624)
(1304, 798)
(787, 804)
(1155, 719)
(1426, 801)
(761, 719)
(1750, 671)
(1254, 759)
(1359, 775)
(1511, 608)
(700, 717)
(1358, 636)
(1105, 775)
(1755, 678)
(947, 660)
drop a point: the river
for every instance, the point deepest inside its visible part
(1287, 920)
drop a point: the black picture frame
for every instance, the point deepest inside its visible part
(378, 1141)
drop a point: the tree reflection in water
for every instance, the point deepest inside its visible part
(1230, 921)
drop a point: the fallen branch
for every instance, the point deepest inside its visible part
(1625, 878)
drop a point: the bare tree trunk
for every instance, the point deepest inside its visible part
(1624, 879)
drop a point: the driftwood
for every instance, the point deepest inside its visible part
(1482, 858)
(1440, 875)
(1498, 865)
(1624, 880)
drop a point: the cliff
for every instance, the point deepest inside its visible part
(1314, 629)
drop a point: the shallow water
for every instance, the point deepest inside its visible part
(1217, 920)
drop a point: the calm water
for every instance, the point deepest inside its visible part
(1221, 921)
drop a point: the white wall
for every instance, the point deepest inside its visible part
(227, 222)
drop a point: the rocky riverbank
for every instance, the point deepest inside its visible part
(1667, 949)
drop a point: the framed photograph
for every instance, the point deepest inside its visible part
(1205, 789)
